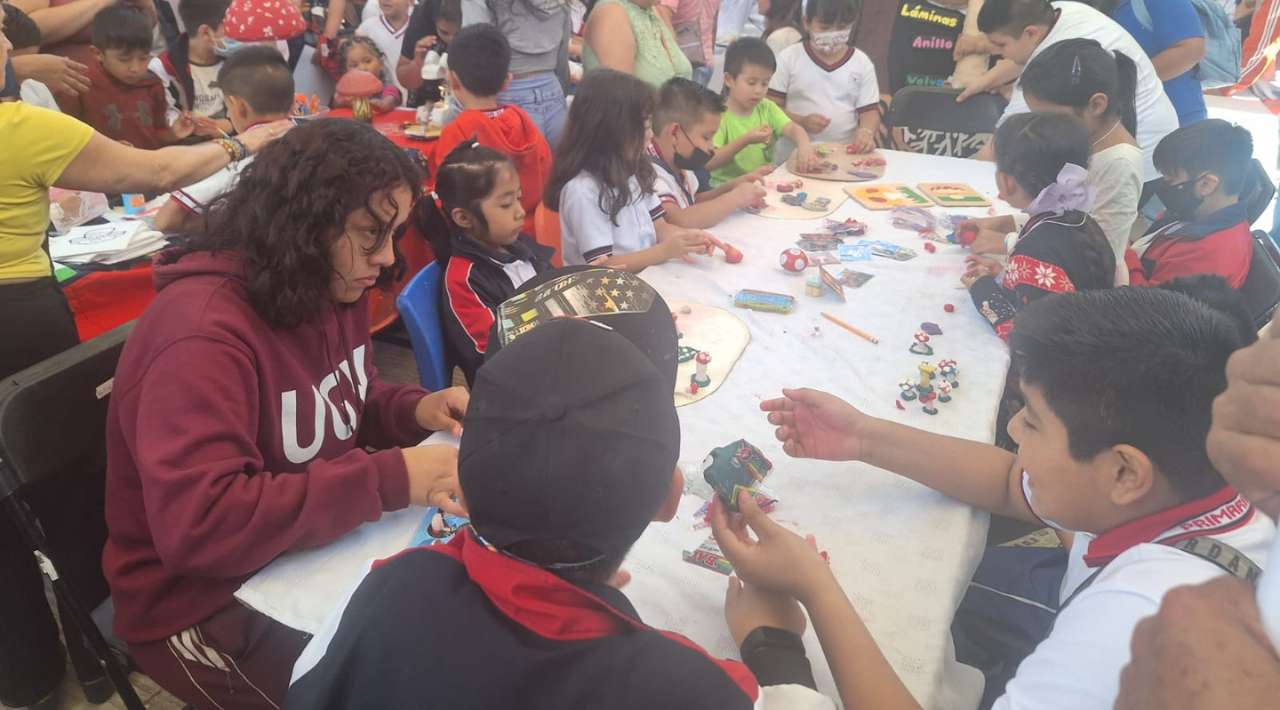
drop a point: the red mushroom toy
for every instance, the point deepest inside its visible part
(358, 86)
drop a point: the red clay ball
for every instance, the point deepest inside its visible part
(949, 308)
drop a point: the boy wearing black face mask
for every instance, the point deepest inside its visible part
(684, 124)
(1205, 229)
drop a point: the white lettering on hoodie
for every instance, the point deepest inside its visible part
(323, 407)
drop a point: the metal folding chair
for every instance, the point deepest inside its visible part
(53, 423)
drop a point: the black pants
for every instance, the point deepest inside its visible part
(36, 323)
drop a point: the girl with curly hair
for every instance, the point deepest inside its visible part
(247, 418)
(362, 53)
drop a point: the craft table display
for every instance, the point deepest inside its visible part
(903, 553)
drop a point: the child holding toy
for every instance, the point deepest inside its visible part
(751, 127)
(602, 182)
(1111, 452)
(1040, 159)
(826, 84)
(684, 127)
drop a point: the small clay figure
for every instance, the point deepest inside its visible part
(795, 199)
(927, 373)
(908, 390)
(921, 345)
(944, 391)
(700, 376)
(927, 399)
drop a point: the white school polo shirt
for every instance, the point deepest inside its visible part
(586, 232)
(838, 91)
(1078, 666)
(671, 184)
(1156, 115)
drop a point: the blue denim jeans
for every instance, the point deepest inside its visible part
(1275, 226)
(542, 97)
(702, 74)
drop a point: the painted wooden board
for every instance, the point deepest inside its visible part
(953, 194)
(887, 195)
(859, 167)
(712, 330)
(777, 209)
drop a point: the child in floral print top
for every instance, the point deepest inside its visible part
(1040, 168)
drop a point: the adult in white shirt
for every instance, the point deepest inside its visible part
(1020, 29)
(1172, 668)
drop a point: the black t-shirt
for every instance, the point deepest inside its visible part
(924, 37)
(421, 24)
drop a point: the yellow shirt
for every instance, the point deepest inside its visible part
(36, 145)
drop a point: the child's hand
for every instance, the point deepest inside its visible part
(816, 425)
(806, 161)
(864, 141)
(762, 135)
(747, 608)
(815, 123)
(207, 127)
(758, 174)
(183, 126)
(988, 241)
(777, 560)
(681, 244)
(977, 267)
(745, 194)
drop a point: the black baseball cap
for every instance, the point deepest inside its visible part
(571, 437)
(618, 299)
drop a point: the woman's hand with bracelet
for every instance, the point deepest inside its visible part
(257, 138)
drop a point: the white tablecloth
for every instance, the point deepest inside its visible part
(903, 552)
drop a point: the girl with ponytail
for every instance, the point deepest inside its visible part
(473, 222)
(1079, 78)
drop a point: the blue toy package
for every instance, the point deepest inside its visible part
(855, 252)
(437, 528)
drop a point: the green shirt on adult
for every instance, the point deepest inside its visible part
(658, 57)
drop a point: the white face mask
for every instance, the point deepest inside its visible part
(830, 41)
(1026, 491)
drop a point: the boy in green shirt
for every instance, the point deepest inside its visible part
(751, 126)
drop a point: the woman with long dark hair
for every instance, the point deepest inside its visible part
(246, 404)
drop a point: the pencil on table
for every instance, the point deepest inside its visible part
(861, 334)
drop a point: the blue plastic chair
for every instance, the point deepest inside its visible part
(419, 306)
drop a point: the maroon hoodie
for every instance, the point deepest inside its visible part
(230, 442)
